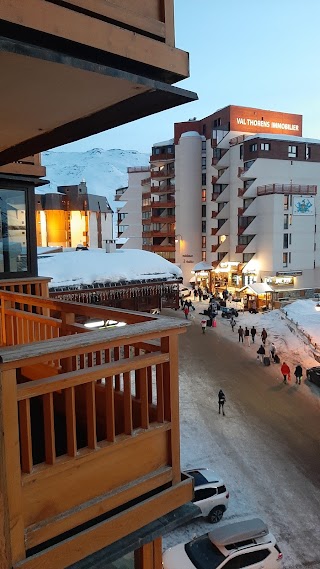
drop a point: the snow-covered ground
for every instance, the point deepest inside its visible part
(256, 468)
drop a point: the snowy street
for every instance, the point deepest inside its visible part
(267, 447)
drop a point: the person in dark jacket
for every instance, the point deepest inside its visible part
(264, 336)
(221, 400)
(253, 332)
(261, 353)
(240, 334)
(247, 335)
(298, 374)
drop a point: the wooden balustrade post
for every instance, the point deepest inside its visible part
(12, 548)
(171, 400)
(67, 364)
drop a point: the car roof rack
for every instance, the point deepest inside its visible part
(239, 531)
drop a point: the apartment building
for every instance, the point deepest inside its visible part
(129, 222)
(72, 216)
(246, 199)
(158, 202)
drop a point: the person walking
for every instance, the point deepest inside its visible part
(186, 311)
(273, 351)
(298, 374)
(253, 332)
(261, 353)
(204, 325)
(285, 370)
(247, 335)
(200, 294)
(221, 400)
(232, 323)
(240, 334)
(264, 336)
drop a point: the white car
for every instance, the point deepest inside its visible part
(245, 544)
(184, 291)
(210, 493)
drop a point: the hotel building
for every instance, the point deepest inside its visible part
(246, 199)
(129, 222)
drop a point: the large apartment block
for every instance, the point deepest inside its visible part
(246, 198)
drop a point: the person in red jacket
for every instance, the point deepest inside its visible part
(285, 370)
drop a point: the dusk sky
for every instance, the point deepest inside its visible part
(255, 53)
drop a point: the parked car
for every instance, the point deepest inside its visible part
(228, 312)
(246, 543)
(313, 375)
(184, 291)
(210, 494)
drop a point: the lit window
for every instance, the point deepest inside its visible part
(285, 202)
(204, 241)
(265, 146)
(253, 147)
(204, 195)
(285, 259)
(204, 256)
(292, 151)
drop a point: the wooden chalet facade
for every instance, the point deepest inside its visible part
(89, 420)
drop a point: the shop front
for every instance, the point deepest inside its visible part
(257, 296)
(202, 276)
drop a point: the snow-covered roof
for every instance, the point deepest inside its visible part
(163, 143)
(46, 250)
(258, 288)
(202, 266)
(190, 134)
(86, 267)
(285, 137)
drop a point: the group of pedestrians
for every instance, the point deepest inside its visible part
(247, 334)
(286, 374)
(187, 307)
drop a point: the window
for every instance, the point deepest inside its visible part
(204, 161)
(245, 239)
(285, 241)
(204, 145)
(253, 147)
(204, 255)
(221, 222)
(122, 228)
(204, 227)
(241, 151)
(285, 259)
(204, 242)
(308, 152)
(146, 214)
(170, 150)
(247, 257)
(285, 202)
(204, 195)
(204, 493)
(290, 234)
(204, 129)
(247, 559)
(203, 179)
(216, 122)
(121, 216)
(292, 151)
(289, 258)
(204, 211)
(265, 146)
(13, 239)
(220, 256)
(285, 221)
(146, 228)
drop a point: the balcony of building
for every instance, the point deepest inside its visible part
(163, 248)
(73, 402)
(30, 166)
(164, 157)
(214, 180)
(224, 227)
(220, 158)
(241, 191)
(240, 248)
(146, 181)
(287, 189)
(163, 188)
(224, 210)
(214, 214)
(162, 174)
(72, 44)
(214, 248)
(163, 219)
(156, 204)
(214, 230)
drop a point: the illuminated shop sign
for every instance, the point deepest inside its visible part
(267, 124)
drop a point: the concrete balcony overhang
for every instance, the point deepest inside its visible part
(252, 209)
(68, 76)
(252, 246)
(224, 247)
(224, 196)
(253, 227)
(224, 213)
(224, 229)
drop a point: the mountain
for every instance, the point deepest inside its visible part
(103, 170)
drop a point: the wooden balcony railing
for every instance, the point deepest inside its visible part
(77, 410)
(162, 174)
(287, 189)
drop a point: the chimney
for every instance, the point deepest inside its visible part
(110, 246)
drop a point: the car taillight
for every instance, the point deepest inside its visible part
(280, 556)
(227, 496)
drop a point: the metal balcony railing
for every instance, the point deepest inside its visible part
(287, 189)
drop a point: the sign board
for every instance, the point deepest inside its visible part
(303, 205)
(248, 119)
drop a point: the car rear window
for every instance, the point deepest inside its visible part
(203, 554)
(199, 479)
(221, 489)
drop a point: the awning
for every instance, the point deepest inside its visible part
(258, 288)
